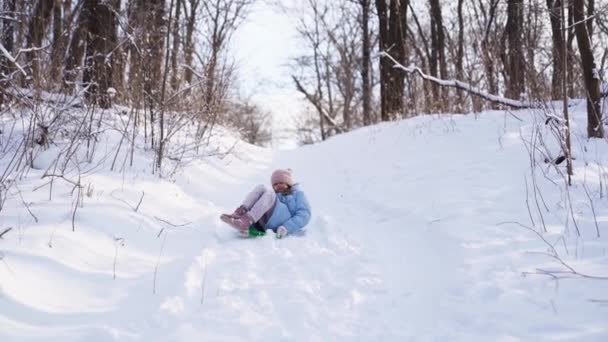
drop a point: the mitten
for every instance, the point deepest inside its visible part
(281, 232)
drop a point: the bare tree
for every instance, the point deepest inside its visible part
(8, 30)
(590, 14)
(37, 30)
(438, 59)
(313, 39)
(76, 50)
(392, 19)
(460, 56)
(222, 19)
(101, 40)
(58, 42)
(331, 76)
(251, 121)
(176, 43)
(557, 53)
(365, 61)
(486, 20)
(533, 41)
(345, 39)
(191, 20)
(595, 128)
(420, 44)
(514, 58)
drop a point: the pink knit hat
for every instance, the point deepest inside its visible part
(282, 176)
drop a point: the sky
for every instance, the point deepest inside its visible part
(264, 45)
(419, 245)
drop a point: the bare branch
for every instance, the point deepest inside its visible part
(134, 208)
(555, 256)
(460, 85)
(172, 224)
(314, 102)
(5, 231)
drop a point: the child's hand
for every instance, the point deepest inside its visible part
(281, 232)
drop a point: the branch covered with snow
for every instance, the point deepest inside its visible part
(460, 85)
(10, 58)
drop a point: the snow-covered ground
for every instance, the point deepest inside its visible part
(417, 234)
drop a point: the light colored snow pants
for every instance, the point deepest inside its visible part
(259, 201)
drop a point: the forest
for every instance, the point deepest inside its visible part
(169, 62)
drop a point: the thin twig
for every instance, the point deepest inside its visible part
(172, 224)
(26, 205)
(162, 246)
(76, 206)
(127, 203)
(5, 231)
(597, 228)
(203, 285)
(62, 177)
(118, 242)
(528, 201)
(140, 200)
(555, 256)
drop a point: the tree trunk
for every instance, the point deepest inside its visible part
(36, 33)
(488, 52)
(438, 53)
(595, 128)
(135, 17)
(460, 57)
(76, 51)
(558, 48)
(590, 11)
(423, 58)
(397, 22)
(571, 55)
(8, 31)
(434, 63)
(189, 40)
(533, 27)
(154, 47)
(365, 68)
(392, 40)
(515, 57)
(119, 55)
(58, 43)
(384, 62)
(176, 41)
(101, 39)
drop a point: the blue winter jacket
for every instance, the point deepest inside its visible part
(291, 211)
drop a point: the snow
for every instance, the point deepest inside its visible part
(417, 234)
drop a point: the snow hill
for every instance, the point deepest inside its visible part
(418, 234)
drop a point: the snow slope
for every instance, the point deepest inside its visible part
(414, 237)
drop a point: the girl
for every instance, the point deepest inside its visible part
(284, 209)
